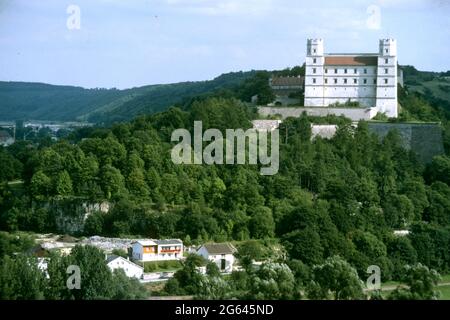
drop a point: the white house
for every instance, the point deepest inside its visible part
(157, 250)
(220, 253)
(5, 139)
(131, 269)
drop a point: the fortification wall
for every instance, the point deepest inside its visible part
(425, 139)
(355, 114)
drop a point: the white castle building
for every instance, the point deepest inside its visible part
(369, 78)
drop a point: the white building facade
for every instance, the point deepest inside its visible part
(370, 78)
(157, 250)
(222, 254)
(131, 269)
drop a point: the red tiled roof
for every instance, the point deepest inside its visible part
(351, 61)
(287, 81)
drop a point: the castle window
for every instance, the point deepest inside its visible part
(385, 81)
(386, 71)
(365, 81)
(355, 81)
(314, 70)
(335, 70)
(365, 71)
(345, 81)
(314, 60)
(314, 80)
(335, 81)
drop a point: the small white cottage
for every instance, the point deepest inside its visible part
(131, 269)
(220, 253)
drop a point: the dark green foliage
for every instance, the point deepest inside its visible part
(421, 282)
(337, 277)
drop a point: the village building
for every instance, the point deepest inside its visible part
(220, 253)
(157, 250)
(5, 138)
(287, 90)
(131, 269)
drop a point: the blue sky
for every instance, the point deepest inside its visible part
(139, 42)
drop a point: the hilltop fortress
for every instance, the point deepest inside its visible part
(367, 78)
(356, 85)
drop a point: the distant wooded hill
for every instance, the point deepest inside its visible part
(38, 101)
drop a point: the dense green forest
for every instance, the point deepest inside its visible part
(334, 205)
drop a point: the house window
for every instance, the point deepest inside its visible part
(385, 81)
(355, 81)
(386, 61)
(314, 70)
(326, 80)
(315, 50)
(345, 70)
(335, 70)
(355, 71)
(365, 81)
(386, 71)
(386, 50)
(326, 70)
(314, 60)
(314, 80)
(335, 81)
(365, 71)
(345, 81)
(374, 81)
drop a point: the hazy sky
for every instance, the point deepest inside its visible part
(138, 42)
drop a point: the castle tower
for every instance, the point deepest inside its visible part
(386, 96)
(314, 73)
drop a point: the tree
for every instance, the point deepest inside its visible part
(439, 170)
(213, 288)
(187, 280)
(96, 278)
(212, 270)
(94, 224)
(304, 245)
(63, 184)
(272, 281)
(125, 288)
(338, 277)
(249, 251)
(21, 279)
(439, 209)
(401, 252)
(112, 182)
(262, 224)
(41, 185)
(421, 282)
(136, 183)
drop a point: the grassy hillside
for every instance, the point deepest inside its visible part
(435, 84)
